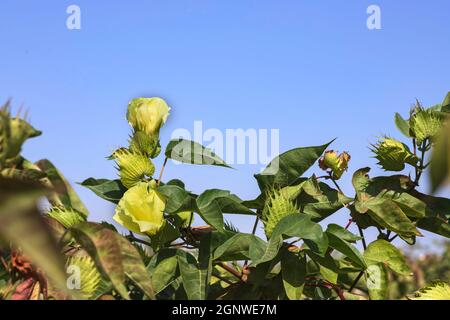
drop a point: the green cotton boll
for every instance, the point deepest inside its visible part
(147, 114)
(141, 209)
(426, 124)
(278, 205)
(392, 155)
(142, 142)
(133, 167)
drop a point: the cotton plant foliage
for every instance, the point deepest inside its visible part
(150, 249)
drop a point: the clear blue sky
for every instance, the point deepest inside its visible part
(310, 68)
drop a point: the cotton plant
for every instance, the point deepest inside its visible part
(159, 254)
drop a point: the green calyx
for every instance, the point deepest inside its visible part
(278, 205)
(392, 155)
(133, 167)
(66, 216)
(90, 282)
(144, 143)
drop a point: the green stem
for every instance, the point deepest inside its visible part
(132, 238)
(162, 171)
(356, 281)
(255, 226)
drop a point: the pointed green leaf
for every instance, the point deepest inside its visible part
(240, 247)
(191, 152)
(178, 199)
(110, 190)
(295, 225)
(212, 204)
(289, 166)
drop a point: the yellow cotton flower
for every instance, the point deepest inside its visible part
(141, 209)
(147, 114)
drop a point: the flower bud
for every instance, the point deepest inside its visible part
(338, 164)
(141, 209)
(147, 114)
(13, 134)
(133, 167)
(392, 155)
(426, 124)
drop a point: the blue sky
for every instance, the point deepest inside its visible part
(309, 68)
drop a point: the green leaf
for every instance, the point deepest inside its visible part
(381, 251)
(194, 278)
(191, 152)
(342, 233)
(385, 198)
(328, 267)
(134, 267)
(66, 194)
(164, 269)
(345, 248)
(212, 204)
(293, 271)
(377, 281)
(389, 215)
(438, 290)
(402, 125)
(240, 247)
(436, 225)
(295, 225)
(178, 199)
(289, 166)
(110, 190)
(319, 200)
(115, 256)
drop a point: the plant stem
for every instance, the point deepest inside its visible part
(420, 167)
(361, 233)
(393, 238)
(230, 270)
(162, 171)
(350, 221)
(356, 281)
(132, 238)
(335, 183)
